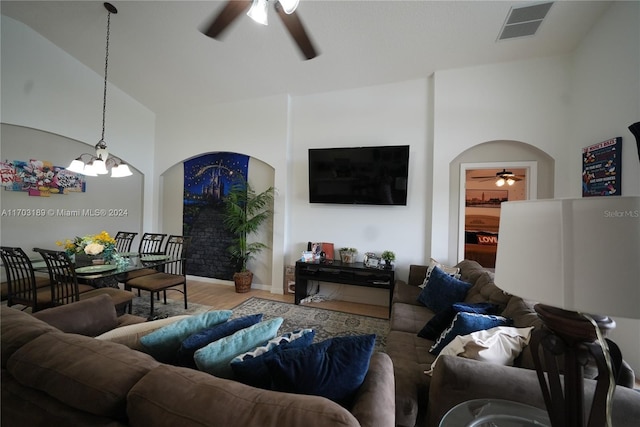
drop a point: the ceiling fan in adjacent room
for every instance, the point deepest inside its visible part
(501, 178)
(258, 11)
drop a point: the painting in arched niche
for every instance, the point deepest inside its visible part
(207, 179)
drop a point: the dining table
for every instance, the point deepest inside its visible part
(110, 274)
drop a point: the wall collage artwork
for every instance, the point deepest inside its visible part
(40, 178)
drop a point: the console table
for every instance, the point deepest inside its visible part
(347, 274)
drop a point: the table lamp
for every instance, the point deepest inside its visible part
(580, 260)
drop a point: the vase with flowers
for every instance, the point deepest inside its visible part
(99, 248)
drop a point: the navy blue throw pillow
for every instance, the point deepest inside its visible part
(466, 323)
(209, 335)
(254, 371)
(334, 368)
(438, 323)
(442, 291)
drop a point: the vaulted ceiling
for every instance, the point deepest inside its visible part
(159, 56)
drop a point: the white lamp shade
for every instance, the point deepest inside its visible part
(120, 171)
(100, 167)
(577, 254)
(289, 6)
(76, 166)
(89, 170)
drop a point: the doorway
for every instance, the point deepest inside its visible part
(481, 195)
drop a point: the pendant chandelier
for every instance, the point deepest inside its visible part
(101, 162)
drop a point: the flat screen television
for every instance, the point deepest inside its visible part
(359, 175)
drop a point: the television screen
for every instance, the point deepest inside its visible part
(359, 175)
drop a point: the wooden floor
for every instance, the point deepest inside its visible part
(221, 296)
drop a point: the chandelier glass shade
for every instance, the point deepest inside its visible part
(101, 163)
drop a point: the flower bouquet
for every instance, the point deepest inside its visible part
(95, 246)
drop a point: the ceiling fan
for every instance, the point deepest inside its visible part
(501, 178)
(257, 10)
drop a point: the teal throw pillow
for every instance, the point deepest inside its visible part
(215, 358)
(163, 344)
(209, 335)
(334, 368)
(466, 323)
(442, 291)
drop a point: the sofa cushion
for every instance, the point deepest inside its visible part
(84, 373)
(209, 335)
(334, 368)
(216, 357)
(90, 317)
(163, 344)
(130, 335)
(17, 329)
(466, 323)
(150, 403)
(442, 291)
(250, 368)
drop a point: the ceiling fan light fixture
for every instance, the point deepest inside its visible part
(289, 6)
(500, 182)
(258, 12)
(511, 181)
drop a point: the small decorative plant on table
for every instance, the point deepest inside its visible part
(388, 257)
(348, 255)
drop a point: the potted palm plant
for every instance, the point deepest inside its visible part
(245, 212)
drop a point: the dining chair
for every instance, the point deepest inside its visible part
(150, 244)
(173, 273)
(65, 286)
(124, 239)
(23, 287)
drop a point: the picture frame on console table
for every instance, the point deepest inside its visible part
(602, 169)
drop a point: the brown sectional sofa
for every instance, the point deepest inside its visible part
(51, 377)
(422, 400)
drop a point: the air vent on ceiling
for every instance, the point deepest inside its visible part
(524, 21)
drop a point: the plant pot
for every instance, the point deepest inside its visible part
(347, 257)
(243, 281)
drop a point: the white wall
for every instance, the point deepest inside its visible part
(606, 100)
(394, 114)
(45, 88)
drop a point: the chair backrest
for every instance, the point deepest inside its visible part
(176, 247)
(21, 280)
(124, 239)
(151, 243)
(62, 273)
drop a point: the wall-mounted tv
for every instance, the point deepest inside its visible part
(359, 175)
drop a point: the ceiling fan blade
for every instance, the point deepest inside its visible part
(296, 29)
(227, 15)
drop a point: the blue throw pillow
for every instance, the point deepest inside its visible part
(209, 335)
(253, 370)
(215, 358)
(438, 323)
(466, 323)
(334, 368)
(163, 344)
(442, 291)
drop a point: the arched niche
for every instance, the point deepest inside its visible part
(501, 153)
(261, 176)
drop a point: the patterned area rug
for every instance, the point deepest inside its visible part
(326, 323)
(160, 310)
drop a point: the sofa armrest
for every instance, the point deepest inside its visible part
(375, 404)
(457, 379)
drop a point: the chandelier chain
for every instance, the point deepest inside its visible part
(106, 67)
